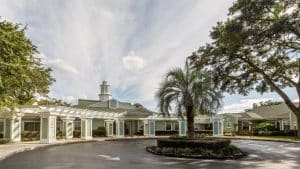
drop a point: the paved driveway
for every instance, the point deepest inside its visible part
(132, 155)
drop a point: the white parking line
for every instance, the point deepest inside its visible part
(107, 157)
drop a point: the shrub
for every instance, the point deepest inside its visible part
(1, 135)
(76, 133)
(209, 143)
(139, 133)
(99, 132)
(30, 135)
(167, 150)
(166, 132)
(229, 150)
(264, 126)
(206, 132)
(59, 135)
(4, 140)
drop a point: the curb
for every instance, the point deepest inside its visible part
(136, 138)
(255, 139)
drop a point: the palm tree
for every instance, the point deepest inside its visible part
(190, 91)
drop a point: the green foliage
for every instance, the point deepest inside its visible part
(208, 143)
(99, 132)
(229, 150)
(4, 140)
(257, 47)
(191, 92)
(30, 136)
(166, 133)
(264, 126)
(22, 74)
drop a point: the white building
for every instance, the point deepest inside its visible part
(119, 119)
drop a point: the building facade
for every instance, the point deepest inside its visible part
(119, 119)
(279, 115)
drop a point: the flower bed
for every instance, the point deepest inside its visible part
(205, 148)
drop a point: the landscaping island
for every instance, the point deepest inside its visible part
(200, 148)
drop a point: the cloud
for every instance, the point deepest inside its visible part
(62, 66)
(132, 62)
(242, 105)
(70, 99)
(85, 41)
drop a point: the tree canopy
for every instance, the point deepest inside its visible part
(256, 48)
(22, 75)
(191, 92)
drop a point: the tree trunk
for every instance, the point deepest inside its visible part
(190, 123)
(298, 125)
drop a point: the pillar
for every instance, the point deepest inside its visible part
(47, 129)
(86, 128)
(182, 127)
(146, 128)
(68, 126)
(109, 128)
(120, 128)
(12, 128)
(149, 128)
(217, 127)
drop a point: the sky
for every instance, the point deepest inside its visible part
(131, 44)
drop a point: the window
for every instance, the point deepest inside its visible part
(77, 125)
(168, 126)
(31, 126)
(176, 126)
(229, 124)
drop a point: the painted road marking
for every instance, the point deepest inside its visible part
(107, 157)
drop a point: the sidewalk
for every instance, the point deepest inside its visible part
(261, 138)
(7, 150)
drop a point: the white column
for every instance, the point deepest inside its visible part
(281, 125)
(149, 128)
(109, 128)
(182, 127)
(120, 128)
(146, 128)
(68, 126)
(47, 129)
(14, 128)
(216, 127)
(86, 128)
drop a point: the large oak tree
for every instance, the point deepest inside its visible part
(257, 47)
(22, 74)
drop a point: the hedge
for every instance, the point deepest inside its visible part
(99, 132)
(165, 132)
(207, 143)
(4, 140)
(30, 135)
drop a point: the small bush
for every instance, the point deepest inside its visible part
(76, 133)
(99, 132)
(60, 135)
(4, 140)
(229, 150)
(30, 135)
(206, 132)
(206, 143)
(167, 150)
(1, 135)
(166, 133)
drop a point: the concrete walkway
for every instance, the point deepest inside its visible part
(260, 139)
(7, 150)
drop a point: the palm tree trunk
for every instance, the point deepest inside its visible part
(298, 125)
(190, 123)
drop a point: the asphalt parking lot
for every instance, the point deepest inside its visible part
(131, 154)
